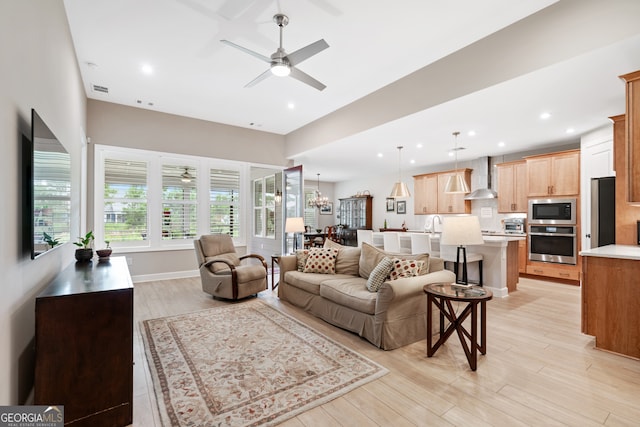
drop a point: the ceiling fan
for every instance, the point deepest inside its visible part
(283, 64)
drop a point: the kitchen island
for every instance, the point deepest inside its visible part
(500, 258)
(611, 297)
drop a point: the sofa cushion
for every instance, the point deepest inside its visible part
(405, 268)
(350, 293)
(370, 257)
(321, 260)
(301, 258)
(218, 267)
(310, 282)
(348, 257)
(379, 274)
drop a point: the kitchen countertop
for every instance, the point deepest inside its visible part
(614, 251)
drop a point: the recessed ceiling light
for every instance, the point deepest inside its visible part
(450, 153)
(571, 130)
(472, 133)
(291, 105)
(412, 161)
(146, 69)
(501, 144)
(380, 155)
(545, 115)
(419, 146)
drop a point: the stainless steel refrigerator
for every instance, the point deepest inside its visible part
(603, 211)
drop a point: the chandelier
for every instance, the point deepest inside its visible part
(318, 201)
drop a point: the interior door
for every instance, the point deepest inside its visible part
(292, 204)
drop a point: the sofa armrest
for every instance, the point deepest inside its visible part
(393, 292)
(287, 263)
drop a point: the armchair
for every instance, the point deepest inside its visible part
(222, 272)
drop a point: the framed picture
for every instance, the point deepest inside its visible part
(327, 209)
(401, 207)
(390, 204)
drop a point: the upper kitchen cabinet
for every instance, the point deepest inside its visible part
(512, 187)
(453, 203)
(556, 174)
(425, 189)
(632, 81)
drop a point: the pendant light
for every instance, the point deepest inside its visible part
(456, 183)
(400, 189)
(318, 201)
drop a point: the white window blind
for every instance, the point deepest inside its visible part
(258, 214)
(270, 206)
(179, 202)
(224, 202)
(125, 200)
(310, 213)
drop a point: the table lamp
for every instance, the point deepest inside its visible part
(294, 225)
(461, 231)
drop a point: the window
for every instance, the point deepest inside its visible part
(179, 202)
(264, 207)
(146, 200)
(125, 200)
(310, 213)
(224, 202)
(52, 194)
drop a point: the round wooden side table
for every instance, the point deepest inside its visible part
(442, 295)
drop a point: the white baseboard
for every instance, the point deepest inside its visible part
(165, 276)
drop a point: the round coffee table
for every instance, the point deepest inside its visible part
(442, 295)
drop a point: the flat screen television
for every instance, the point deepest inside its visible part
(50, 201)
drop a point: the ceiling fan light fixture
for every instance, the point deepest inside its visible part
(280, 69)
(186, 176)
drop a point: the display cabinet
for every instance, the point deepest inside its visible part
(355, 213)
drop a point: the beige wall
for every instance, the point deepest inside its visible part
(119, 125)
(38, 70)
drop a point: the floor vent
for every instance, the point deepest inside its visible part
(102, 89)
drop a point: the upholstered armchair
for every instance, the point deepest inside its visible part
(223, 272)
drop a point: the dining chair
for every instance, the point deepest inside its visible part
(392, 243)
(365, 236)
(420, 243)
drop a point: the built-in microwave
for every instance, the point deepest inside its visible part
(552, 211)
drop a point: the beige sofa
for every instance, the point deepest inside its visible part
(392, 317)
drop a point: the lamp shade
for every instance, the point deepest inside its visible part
(400, 191)
(461, 230)
(294, 225)
(456, 184)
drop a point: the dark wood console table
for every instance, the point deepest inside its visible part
(84, 344)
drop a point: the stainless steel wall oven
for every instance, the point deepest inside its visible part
(553, 243)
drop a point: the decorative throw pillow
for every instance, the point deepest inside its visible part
(301, 258)
(321, 260)
(370, 256)
(379, 274)
(348, 257)
(405, 268)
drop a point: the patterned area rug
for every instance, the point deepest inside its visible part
(246, 364)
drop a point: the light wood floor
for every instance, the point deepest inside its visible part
(539, 369)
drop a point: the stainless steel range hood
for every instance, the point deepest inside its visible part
(483, 193)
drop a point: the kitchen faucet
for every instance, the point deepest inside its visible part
(433, 223)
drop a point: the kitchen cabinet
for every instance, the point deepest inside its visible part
(632, 82)
(512, 187)
(522, 256)
(453, 203)
(425, 189)
(556, 271)
(556, 174)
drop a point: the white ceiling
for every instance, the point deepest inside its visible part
(372, 44)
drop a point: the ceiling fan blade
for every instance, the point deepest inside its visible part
(260, 78)
(245, 50)
(307, 52)
(306, 78)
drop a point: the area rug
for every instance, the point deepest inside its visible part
(246, 364)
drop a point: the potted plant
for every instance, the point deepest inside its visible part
(84, 251)
(50, 240)
(104, 254)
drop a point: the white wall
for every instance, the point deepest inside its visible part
(38, 70)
